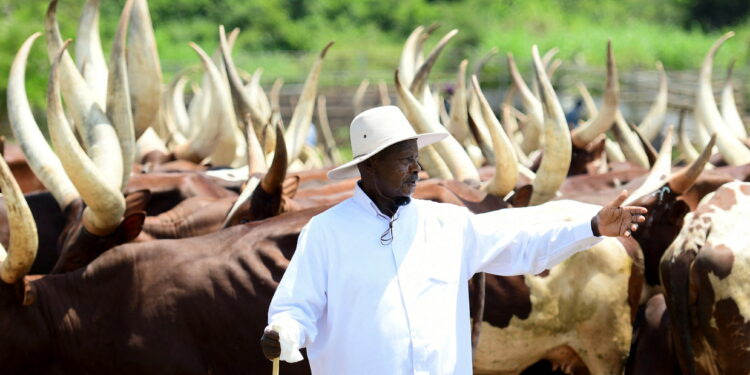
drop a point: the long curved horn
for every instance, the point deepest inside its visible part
(450, 150)
(510, 124)
(39, 155)
(684, 179)
(105, 203)
(553, 68)
(89, 55)
(475, 116)
(434, 164)
(654, 119)
(614, 152)
(325, 130)
(407, 65)
(23, 236)
(418, 48)
(119, 109)
(241, 97)
(588, 101)
(648, 148)
(175, 106)
(269, 143)
(275, 94)
(273, 179)
(204, 141)
(225, 151)
(506, 164)
(584, 134)
(532, 130)
(254, 149)
(259, 99)
(197, 108)
(419, 82)
(557, 144)
(359, 96)
(708, 114)
(659, 172)
(144, 69)
(686, 148)
(629, 142)
(546, 60)
(177, 101)
(459, 116)
(483, 61)
(299, 125)
(98, 134)
(729, 108)
(250, 186)
(385, 98)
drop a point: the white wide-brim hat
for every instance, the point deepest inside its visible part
(375, 129)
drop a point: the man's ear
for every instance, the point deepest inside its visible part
(366, 167)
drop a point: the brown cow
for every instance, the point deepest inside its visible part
(191, 306)
(704, 274)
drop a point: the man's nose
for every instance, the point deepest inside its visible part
(415, 167)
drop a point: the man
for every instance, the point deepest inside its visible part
(377, 284)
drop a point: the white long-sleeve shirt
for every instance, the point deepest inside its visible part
(361, 307)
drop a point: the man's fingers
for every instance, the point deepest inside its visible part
(636, 210)
(620, 198)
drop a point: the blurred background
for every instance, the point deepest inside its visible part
(283, 37)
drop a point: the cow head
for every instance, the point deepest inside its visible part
(663, 223)
(666, 209)
(587, 160)
(78, 247)
(265, 198)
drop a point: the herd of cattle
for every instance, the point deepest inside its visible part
(151, 239)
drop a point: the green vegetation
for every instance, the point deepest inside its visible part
(283, 36)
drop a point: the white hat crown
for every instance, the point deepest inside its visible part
(378, 126)
(375, 129)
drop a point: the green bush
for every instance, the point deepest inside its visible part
(283, 36)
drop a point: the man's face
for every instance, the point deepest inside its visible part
(396, 169)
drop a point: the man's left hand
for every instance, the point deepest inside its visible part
(613, 220)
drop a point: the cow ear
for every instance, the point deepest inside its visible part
(131, 226)
(522, 196)
(26, 292)
(290, 186)
(137, 201)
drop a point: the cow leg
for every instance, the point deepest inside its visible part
(674, 271)
(476, 305)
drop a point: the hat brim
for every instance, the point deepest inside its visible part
(350, 170)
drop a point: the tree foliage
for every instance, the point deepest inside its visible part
(369, 33)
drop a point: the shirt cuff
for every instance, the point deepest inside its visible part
(290, 337)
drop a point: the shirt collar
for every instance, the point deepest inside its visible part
(363, 200)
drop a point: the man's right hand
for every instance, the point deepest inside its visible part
(270, 344)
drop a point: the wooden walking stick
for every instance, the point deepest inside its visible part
(276, 366)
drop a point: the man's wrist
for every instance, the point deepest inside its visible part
(595, 226)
